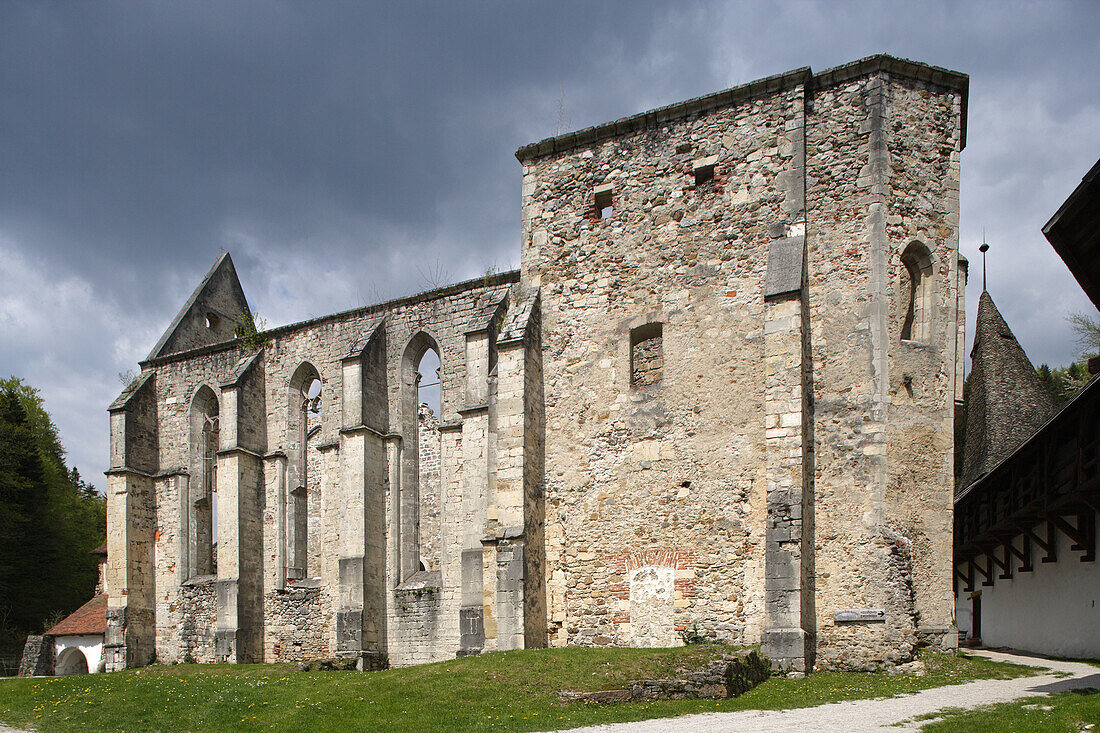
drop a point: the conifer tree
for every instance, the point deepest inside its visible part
(50, 520)
(23, 511)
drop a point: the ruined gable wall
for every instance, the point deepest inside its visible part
(222, 300)
(882, 169)
(299, 622)
(670, 475)
(183, 626)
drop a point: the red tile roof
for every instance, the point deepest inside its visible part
(91, 618)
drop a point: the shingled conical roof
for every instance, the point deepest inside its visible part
(1007, 402)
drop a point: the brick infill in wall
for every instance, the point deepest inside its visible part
(680, 561)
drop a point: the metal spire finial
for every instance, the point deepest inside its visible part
(983, 249)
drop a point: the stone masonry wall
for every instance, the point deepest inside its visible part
(849, 166)
(676, 466)
(198, 614)
(417, 612)
(881, 171)
(430, 498)
(924, 142)
(297, 625)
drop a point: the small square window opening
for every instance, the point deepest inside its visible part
(604, 206)
(704, 169)
(646, 355)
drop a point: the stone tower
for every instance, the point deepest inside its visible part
(788, 251)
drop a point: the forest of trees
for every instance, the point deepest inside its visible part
(50, 521)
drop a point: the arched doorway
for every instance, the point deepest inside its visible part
(71, 661)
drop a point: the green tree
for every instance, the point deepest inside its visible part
(250, 330)
(1063, 382)
(23, 515)
(50, 520)
(1087, 330)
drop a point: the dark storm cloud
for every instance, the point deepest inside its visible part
(350, 152)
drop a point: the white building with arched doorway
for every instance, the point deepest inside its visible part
(78, 638)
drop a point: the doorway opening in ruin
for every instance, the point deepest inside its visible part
(303, 480)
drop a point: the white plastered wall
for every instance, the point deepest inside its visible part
(1053, 610)
(91, 645)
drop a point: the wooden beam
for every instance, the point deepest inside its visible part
(1046, 544)
(1025, 554)
(986, 572)
(1074, 533)
(1049, 548)
(1004, 565)
(1086, 522)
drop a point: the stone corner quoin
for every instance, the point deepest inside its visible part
(717, 398)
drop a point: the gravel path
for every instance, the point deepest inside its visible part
(890, 714)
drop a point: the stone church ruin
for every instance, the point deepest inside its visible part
(717, 396)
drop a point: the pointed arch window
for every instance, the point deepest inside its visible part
(303, 471)
(201, 506)
(420, 514)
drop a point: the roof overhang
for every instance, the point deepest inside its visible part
(1074, 232)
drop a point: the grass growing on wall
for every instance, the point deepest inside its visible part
(506, 691)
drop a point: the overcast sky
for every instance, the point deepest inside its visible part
(346, 153)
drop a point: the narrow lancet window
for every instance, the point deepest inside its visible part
(303, 473)
(202, 506)
(210, 432)
(428, 444)
(916, 293)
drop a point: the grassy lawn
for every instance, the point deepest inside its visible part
(1066, 711)
(505, 691)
